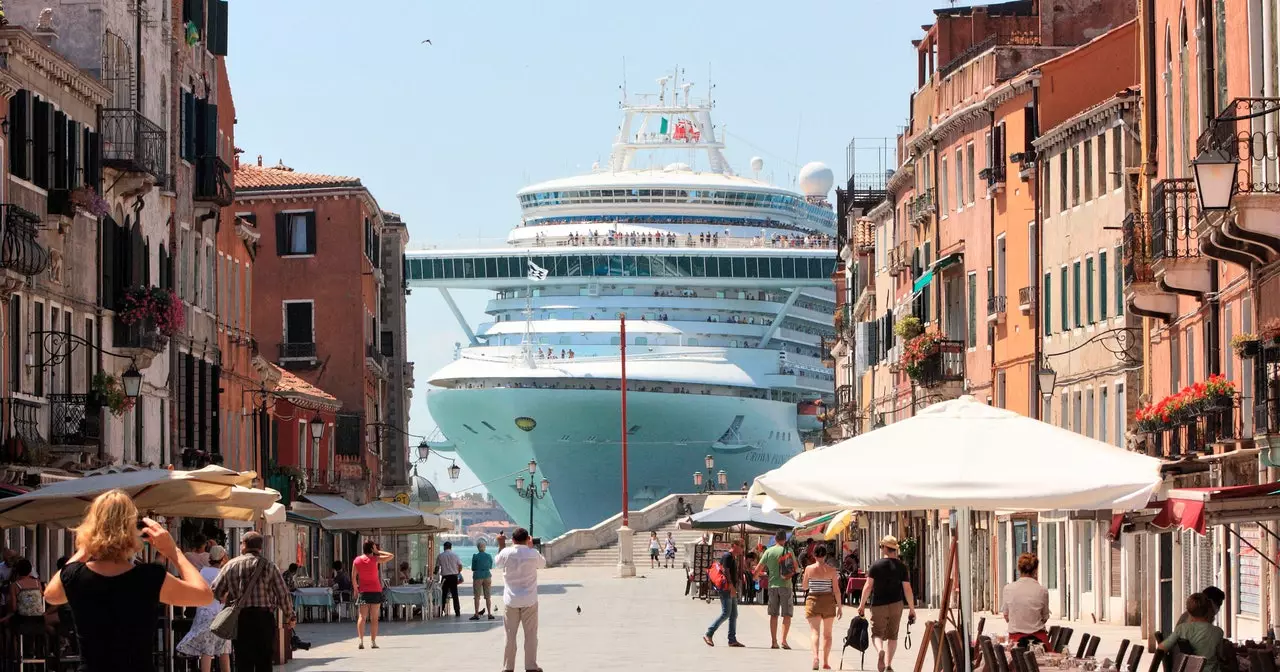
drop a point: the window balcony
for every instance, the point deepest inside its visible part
(322, 481)
(1266, 404)
(1027, 300)
(22, 432)
(899, 259)
(131, 143)
(75, 420)
(375, 360)
(994, 175)
(1178, 265)
(996, 306)
(944, 366)
(922, 207)
(297, 352)
(1245, 130)
(1142, 295)
(211, 181)
(21, 254)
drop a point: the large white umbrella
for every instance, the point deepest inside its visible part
(379, 516)
(151, 490)
(962, 454)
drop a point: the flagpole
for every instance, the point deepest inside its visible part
(626, 563)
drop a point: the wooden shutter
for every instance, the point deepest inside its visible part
(1030, 128)
(40, 147)
(19, 124)
(388, 344)
(215, 423)
(75, 130)
(298, 323)
(311, 233)
(61, 165)
(282, 234)
(108, 299)
(188, 125)
(217, 39)
(93, 160)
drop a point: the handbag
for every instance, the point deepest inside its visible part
(227, 622)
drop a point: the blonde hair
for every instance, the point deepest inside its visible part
(109, 531)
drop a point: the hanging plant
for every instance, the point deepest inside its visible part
(1245, 345)
(1270, 330)
(111, 392)
(908, 328)
(160, 306)
(88, 200)
(918, 351)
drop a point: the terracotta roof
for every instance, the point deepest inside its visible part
(264, 178)
(291, 385)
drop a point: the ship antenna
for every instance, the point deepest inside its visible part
(624, 80)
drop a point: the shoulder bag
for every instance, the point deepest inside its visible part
(227, 622)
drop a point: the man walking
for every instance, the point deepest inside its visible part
(253, 583)
(520, 564)
(501, 540)
(450, 568)
(779, 564)
(729, 564)
(887, 589)
(481, 580)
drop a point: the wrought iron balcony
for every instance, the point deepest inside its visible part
(132, 143)
(322, 481)
(1174, 213)
(994, 175)
(22, 436)
(899, 259)
(1137, 249)
(211, 181)
(922, 206)
(1266, 378)
(75, 420)
(996, 306)
(21, 251)
(297, 351)
(944, 366)
(1247, 131)
(1027, 299)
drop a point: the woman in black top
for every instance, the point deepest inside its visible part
(114, 601)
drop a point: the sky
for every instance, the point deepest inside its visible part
(512, 93)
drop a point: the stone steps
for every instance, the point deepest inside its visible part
(608, 555)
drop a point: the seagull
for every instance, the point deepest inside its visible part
(428, 42)
(579, 609)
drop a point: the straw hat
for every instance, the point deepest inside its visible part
(890, 542)
(217, 554)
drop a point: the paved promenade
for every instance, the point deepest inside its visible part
(641, 623)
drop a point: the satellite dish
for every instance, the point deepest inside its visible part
(757, 164)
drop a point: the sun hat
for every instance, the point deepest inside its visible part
(890, 542)
(217, 554)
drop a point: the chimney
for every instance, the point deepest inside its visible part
(235, 162)
(259, 160)
(44, 31)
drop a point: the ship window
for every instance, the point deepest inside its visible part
(642, 266)
(788, 268)
(642, 340)
(720, 294)
(573, 268)
(686, 269)
(715, 318)
(583, 291)
(613, 340)
(628, 291)
(739, 267)
(775, 267)
(733, 343)
(742, 295)
(487, 425)
(615, 264)
(752, 271)
(562, 266)
(629, 266)
(537, 291)
(468, 268)
(699, 267)
(469, 429)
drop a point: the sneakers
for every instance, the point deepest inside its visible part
(491, 617)
(373, 645)
(706, 639)
(737, 645)
(361, 644)
(475, 617)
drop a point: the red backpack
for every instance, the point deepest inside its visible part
(715, 574)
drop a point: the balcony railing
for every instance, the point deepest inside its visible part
(297, 351)
(21, 251)
(322, 481)
(372, 352)
(211, 182)
(1266, 405)
(1027, 299)
(922, 206)
(1174, 208)
(132, 143)
(899, 259)
(1137, 249)
(22, 435)
(994, 175)
(996, 305)
(944, 366)
(1000, 39)
(74, 420)
(1248, 129)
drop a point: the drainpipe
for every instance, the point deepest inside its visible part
(1037, 315)
(995, 278)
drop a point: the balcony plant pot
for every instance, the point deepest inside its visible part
(1249, 349)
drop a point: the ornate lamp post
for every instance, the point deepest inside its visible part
(712, 479)
(533, 492)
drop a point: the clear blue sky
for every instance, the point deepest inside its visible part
(511, 93)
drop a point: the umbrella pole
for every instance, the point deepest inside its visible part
(944, 611)
(966, 583)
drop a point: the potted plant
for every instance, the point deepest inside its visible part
(110, 393)
(1245, 345)
(919, 352)
(155, 307)
(908, 328)
(1219, 392)
(1270, 331)
(87, 199)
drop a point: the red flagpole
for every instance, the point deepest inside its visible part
(622, 325)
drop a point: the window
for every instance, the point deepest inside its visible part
(942, 189)
(1033, 253)
(1120, 415)
(1175, 364)
(1117, 159)
(1047, 304)
(1104, 415)
(1102, 164)
(1075, 293)
(1088, 288)
(1064, 411)
(1075, 176)
(1229, 356)
(1088, 170)
(1066, 323)
(1088, 413)
(1002, 268)
(1046, 201)
(1086, 557)
(1051, 556)
(1102, 285)
(960, 179)
(1001, 389)
(15, 344)
(39, 371)
(1077, 413)
(1062, 182)
(295, 233)
(1119, 262)
(973, 310)
(299, 326)
(970, 173)
(1191, 355)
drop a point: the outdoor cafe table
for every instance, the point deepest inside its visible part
(407, 596)
(304, 598)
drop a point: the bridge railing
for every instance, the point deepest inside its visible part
(606, 532)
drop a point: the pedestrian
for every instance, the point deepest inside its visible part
(114, 601)
(1025, 603)
(822, 603)
(290, 576)
(501, 540)
(670, 551)
(780, 565)
(481, 580)
(200, 641)
(1216, 598)
(404, 576)
(1198, 633)
(729, 564)
(654, 549)
(197, 551)
(342, 585)
(254, 584)
(887, 589)
(449, 566)
(368, 584)
(520, 564)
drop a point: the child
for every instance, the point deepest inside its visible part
(1198, 632)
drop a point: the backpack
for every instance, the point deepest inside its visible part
(787, 565)
(715, 574)
(857, 638)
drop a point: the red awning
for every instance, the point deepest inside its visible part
(10, 490)
(1186, 507)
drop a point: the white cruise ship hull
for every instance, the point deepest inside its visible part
(576, 442)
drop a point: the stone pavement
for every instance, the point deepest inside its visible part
(641, 623)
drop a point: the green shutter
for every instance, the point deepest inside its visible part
(1088, 288)
(1075, 293)
(1046, 306)
(1119, 260)
(973, 311)
(217, 39)
(1102, 284)
(1066, 322)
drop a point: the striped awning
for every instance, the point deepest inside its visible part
(817, 520)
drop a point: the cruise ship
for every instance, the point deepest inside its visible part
(724, 282)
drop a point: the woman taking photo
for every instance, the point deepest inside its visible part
(822, 605)
(200, 641)
(114, 601)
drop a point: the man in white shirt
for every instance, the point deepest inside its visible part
(520, 564)
(450, 568)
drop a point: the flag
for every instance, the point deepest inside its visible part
(662, 129)
(536, 272)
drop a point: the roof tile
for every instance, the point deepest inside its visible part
(291, 383)
(249, 178)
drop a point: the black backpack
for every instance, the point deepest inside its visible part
(858, 638)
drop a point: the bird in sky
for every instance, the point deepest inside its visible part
(428, 42)
(579, 609)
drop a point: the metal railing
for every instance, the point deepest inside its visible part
(297, 351)
(1027, 298)
(24, 422)
(999, 39)
(1248, 130)
(922, 206)
(372, 352)
(1137, 248)
(996, 305)
(21, 250)
(1174, 213)
(132, 143)
(73, 420)
(211, 183)
(322, 480)
(899, 258)
(1266, 404)
(994, 174)
(944, 366)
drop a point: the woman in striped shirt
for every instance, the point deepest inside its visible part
(822, 604)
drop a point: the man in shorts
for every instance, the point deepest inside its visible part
(779, 564)
(887, 589)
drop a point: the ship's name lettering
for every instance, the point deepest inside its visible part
(771, 458)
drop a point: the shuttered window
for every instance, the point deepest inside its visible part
(1117, 568)
(1066, 323)
(1088, 289)
(295, 233)
(1075, 293)
(1103, 297)
(973, 310)
(1046, 307)
(298, 325)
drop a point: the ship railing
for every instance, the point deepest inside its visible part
(816, 242)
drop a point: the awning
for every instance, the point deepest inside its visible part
(816, 521)
(1197, 508)
(717, 501)
(331, 503)
(9, 490)
(299, 519)
(923, 281)
(947, 260)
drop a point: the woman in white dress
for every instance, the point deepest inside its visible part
(201, 642)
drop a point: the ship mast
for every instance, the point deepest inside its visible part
(680, 123)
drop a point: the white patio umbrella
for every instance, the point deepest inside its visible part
(378, 516)
(964, 455)
(151, 490)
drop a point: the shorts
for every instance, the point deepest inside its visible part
(653, 554)
(371, 598)
(886, 620)
(781, 602)
(481, 587)
(820, 605)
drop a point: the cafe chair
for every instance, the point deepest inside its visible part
(1157, 660)
(1085, 639)
(1053, 634)
(1135, 659)
(1124, 646)
(1228, 660)
(1019, 662)
(1192, 663)
(1159, 637)
(1064, 639)
(1093, 647)
(988, 655)
(957, 649)
(1262, 660)
(1001, 658)
(1029, 660)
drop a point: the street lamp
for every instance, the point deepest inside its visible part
(424, 451)
(533, 492)
(709, 481)
(1047, 377)
(1215, 172)
(711, 462)
(131, 380)
(317, 430)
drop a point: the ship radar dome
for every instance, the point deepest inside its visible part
(757, 164)
(816, 179)
(673, 167)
